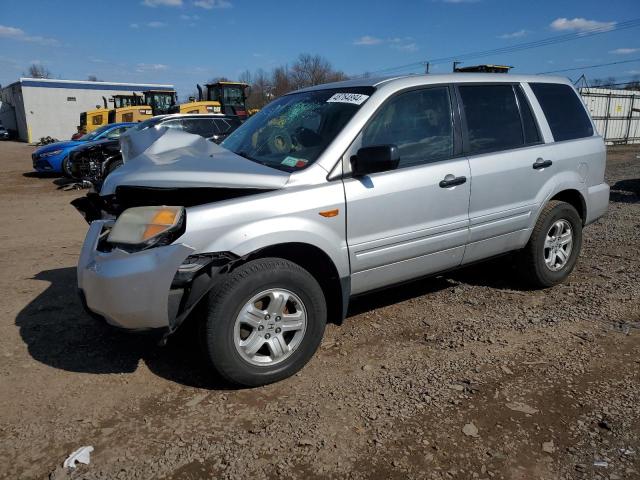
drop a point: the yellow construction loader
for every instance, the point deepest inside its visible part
(129, 108)
(228, 98)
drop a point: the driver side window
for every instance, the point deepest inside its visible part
(418, 122)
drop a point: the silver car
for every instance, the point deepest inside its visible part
(334, 191)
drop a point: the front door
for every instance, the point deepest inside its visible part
(412, 221)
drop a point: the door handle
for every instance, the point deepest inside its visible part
(540, 163)
(452, 181)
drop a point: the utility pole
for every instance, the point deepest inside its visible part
(426, 67)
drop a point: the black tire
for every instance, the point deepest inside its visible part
(218, 313)
(111, 166)
(533, 265)
(65, 167)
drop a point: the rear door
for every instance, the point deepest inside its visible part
(509, 166)
(406, 223)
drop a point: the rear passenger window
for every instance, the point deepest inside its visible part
(418, 122)
(200, 126)
(492, 118)
(564, 110)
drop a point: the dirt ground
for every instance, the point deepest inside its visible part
(466, 375)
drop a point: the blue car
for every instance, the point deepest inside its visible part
(53, 158)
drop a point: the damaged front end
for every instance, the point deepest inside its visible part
(137, 269)
(152, 289)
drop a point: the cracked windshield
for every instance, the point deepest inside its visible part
(292, 132)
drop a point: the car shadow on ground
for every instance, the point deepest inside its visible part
(59, 333)
(626, 191)
(41, 175)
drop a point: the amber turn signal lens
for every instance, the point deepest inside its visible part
(330, 213)
(160, 222)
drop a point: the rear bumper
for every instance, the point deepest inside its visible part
(597, 202)
(130, 290)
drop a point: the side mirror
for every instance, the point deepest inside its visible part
(377, 158)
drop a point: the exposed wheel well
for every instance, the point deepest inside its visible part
(575, 199)
(318, 264)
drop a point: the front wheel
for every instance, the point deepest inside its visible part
(111, 166)
(263, 323)
(66, 167)
(554, 246)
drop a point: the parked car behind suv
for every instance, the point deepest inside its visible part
(95, 160)
(334, 191)
(54, 157)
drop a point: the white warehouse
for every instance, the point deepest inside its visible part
(37, 107)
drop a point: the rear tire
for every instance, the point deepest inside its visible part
(263, 322)
(554, 245)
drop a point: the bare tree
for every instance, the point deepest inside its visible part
(261, 90)
(37, 70)
(310, 70)
(245, 77)
(634, 84)
(281, 81)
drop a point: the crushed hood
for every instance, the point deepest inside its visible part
(168, 158)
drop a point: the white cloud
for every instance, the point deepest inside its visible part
(210, 4)
(189, 17)
(460, 1)
(624, 51)
(367, 40)
(21, 36)
(518, 34)
(134, 25)
(163, 3)
(151, 67)
(405, 44)
(408, 47)
(581, 25)
(156, 24)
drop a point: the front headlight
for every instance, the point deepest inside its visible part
(144, 227)
(51, 154)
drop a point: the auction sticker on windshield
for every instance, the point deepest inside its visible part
(355, 98)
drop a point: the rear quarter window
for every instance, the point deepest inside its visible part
(564, 110)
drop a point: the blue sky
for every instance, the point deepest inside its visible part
(185, 42)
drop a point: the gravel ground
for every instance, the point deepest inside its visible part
(466, 375)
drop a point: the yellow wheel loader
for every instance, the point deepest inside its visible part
(129, 108)
(228, 98)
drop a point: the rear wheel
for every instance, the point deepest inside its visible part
(263, 323)
(554, 246)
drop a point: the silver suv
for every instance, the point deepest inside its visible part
(334, 191)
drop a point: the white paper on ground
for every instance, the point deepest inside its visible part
(80, 455)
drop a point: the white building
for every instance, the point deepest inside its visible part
(37, 107)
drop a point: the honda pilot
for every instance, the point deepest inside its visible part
(331, 192)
